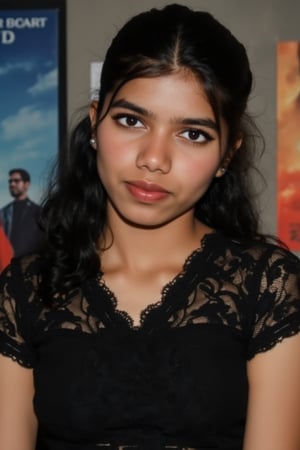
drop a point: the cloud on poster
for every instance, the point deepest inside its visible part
(45, 83)
(8, 68)
(26, 121)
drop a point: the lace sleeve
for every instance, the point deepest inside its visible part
(277, 313)
(13, 321)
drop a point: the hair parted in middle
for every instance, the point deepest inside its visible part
(156, 43)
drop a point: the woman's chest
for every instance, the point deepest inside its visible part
(188, 379)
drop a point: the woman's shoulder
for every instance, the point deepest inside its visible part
(261, 249)
(19, 308)
(21, 272)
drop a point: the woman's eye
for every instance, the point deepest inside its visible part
(129, 121)
(197, 136)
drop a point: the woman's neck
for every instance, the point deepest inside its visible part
(140, 248)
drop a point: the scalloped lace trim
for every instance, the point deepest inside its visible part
(145, 312)
(273, 342)
(15, 358)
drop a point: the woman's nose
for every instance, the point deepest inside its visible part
(155, 154)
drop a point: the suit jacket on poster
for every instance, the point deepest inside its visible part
(24, 235)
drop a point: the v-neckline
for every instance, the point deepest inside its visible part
(166, 292)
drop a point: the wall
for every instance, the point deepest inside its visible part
(258, 24)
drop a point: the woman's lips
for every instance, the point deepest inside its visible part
(145, 191)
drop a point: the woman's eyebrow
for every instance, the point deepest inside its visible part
(132, 107)
(206, 122)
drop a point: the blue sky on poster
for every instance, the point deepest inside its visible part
(28, 96)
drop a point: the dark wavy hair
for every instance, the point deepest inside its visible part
(154, 43)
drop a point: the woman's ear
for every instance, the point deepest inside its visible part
(238, 144)
(93, 113)
(228, 157)
(93, 119)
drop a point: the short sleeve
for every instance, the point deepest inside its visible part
(277, 301)
(14, 309)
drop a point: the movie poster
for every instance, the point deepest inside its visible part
(288, 141)
(32, 112)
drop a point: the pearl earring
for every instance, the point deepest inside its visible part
(223, 170)
(93, 142)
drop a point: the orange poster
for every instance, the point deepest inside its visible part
(288, 141)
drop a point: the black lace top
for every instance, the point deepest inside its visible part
(177, 381)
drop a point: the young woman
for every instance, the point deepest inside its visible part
(157, 316)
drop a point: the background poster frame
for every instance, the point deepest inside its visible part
(33, 97)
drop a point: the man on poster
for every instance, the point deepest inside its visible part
(20, 217)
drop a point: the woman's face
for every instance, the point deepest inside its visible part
(158, 149)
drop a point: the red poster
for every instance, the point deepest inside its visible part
(288, 142)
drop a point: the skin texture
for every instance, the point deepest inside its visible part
(157, 146)
(274, 398)
(18, 424)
